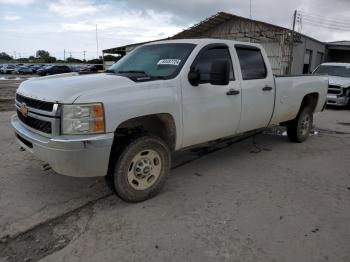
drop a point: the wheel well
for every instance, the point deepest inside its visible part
(309, 100)
(161, 125)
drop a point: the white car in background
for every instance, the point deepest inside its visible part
(339, 82)
(8, 69)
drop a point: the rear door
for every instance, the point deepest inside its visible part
(258, 88)
(210, 111)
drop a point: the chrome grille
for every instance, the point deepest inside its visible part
(334, 90)
(37, 124)
(41, 117)
(37, 104)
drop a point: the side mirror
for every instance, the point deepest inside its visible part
(193, 77)
(220, 72)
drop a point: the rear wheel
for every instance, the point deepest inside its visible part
(141, 169)
(298, 130)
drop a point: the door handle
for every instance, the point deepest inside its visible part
(267, 88)
(232, 92)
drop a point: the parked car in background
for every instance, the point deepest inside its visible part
(8, 69)
(35, 68)
(24, 70)
(53, 70)
(339, 82)
(125, 124)
(92, 69)
(75, 68)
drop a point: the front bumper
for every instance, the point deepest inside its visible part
(337, 100)
(79, 156)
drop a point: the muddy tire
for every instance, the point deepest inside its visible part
(141, 169)
(298, 130)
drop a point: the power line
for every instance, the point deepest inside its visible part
(323, 18)
(319, 21)
(333, 24)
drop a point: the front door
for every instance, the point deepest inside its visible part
(210, 111)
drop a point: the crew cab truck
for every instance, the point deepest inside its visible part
(160, 98)
(339, 82)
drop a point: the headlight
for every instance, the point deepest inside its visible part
(82, 119)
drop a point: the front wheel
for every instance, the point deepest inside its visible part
(141, 169)
(298, 130)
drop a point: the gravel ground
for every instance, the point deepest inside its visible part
(261, 199)
(8, 87)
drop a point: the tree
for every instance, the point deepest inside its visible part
(50, 59)
(73, 60)
(95, 61)
(42, 54)
(111, 58)
(22, 60)
(5, 57)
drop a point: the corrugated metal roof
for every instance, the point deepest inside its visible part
(203, 26)
(339, 43)
(216, 20)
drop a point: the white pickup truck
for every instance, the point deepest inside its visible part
(339, 82)
(160, 98)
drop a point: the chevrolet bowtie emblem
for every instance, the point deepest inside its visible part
(24, 109)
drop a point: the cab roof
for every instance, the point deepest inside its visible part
(204, 41)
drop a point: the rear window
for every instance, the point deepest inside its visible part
(252, 63)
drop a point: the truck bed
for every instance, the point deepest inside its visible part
(290, 91)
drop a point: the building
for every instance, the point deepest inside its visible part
(301, 57)
(338, 51)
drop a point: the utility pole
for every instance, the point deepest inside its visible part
(14, 54)
(291, 46)
(96, 43)
(84, 52)
(250, 9)
(64, 54)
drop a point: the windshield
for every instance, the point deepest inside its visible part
(341, 71)
(159, 60)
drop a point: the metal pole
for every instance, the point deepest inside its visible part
(96, 43)
(291, 47)
(250, 9)
(103, 61)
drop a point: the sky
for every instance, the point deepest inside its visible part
(55, 25)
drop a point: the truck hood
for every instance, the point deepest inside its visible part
(339, 81)
(66, 88)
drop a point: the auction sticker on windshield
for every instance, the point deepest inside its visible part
(174, 62)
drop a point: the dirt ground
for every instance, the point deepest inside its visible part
(7, 94)
(261, 199)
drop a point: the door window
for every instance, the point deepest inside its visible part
(252, 63)
(205, 60)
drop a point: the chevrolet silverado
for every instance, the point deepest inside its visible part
(162, 97)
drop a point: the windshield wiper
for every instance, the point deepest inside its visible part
(141, 72)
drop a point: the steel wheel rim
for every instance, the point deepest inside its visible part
(144, 169)
(305, 125)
